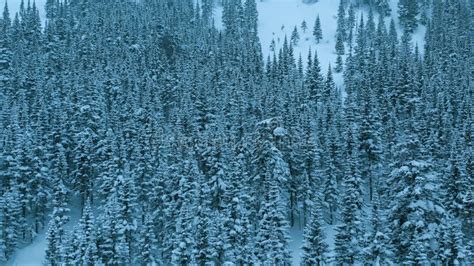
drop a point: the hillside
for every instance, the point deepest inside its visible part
(226, 132)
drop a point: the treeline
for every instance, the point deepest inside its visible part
(181, 145)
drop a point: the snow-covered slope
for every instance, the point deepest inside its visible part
(277, 19)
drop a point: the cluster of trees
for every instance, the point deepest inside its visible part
(181, 145)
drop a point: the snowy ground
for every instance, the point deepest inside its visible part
(33, 254)
(296, 236)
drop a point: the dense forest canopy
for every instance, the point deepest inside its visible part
(179, 143)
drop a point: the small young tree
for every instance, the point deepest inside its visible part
(304, 26)
(295, 37)
(317, 31)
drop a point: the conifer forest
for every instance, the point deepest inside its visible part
(170, 132)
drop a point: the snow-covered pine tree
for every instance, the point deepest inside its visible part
(415, 212)
(341, 21)
(377, 243)
(11, 213)
(304, 26)
(383, 7)
(340, 52)
(452, 248)
(455, 187)
(315, 248)
(56, 234)
(407, 13)
(317, 30)
(88, 251)
(295, 37)
(182, 239)
(147, 243)
(348, 242)
(53, 249)
(201, 252)
(271, 173)
(238, 230)
(216, 242)
(272, 235)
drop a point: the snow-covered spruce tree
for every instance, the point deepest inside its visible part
(407, 13)
(6, 72)
(184, 241)
(211, 159)
(331, 156)
(53, 252)
(23, 168)
(341, 21)
(201, 252)
(126, 216)
(377, 249)
(83, 160)
(186, 194)
(147, 243)
(317, 30)
(456, 187)
(348, 242)
(86, 237)
(271, 173)
(217, 182)
(295, 37)
(314, 81)
(340, 52)
(3, 258)
(56, 234)
(415, 211)
(304, 26)
(383, 7)
(216, 242)
(351, 22)
(271, 242)
(370, 141)
(330, 191)
(315, 247)
(11, 213)
(414, 206)
(73, 250)
(109, 165)
(107, 238)
(238, 230)
(452, 248)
